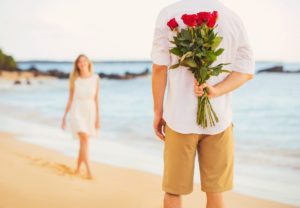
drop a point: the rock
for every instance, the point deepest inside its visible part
(17, 82)
(34, 70)
(278, 69)
(294, 71)
(126, 76)
(272, 69)
(57, 73)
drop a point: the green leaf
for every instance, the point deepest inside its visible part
(211, 57)
(184, 50)
(211, 36)
(219, 51)
(226, 71)
(216, 42)
(174, 66)
(176, 40)
(176, 51)
(219, 66)
(206, 45)
(185, 43)
(203, 73)
(200, 54)
(186, 55)
(189, 63)
(199, 41)
(215, 72)
(203, 33)
(186, 35)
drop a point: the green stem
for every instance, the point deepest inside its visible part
(205, 111)
(211, 121)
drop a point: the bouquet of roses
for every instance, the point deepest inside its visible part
(197, 49)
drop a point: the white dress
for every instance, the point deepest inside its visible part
(83, 108)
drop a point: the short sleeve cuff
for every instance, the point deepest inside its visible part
(161, 59)
(246, 67)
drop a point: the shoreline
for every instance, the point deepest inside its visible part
(30, 167)
(34, 73)
(22, 75)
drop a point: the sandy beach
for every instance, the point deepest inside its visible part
(22, 75)
(33, 176)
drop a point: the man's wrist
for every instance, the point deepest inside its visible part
(218, 91)
(158, 113)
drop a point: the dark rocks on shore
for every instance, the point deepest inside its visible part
(50, 72)
(63, 75)
(34, 70)
(28, 82)
(126, 76)
(17, 82)
(277, 69)
(58, 74)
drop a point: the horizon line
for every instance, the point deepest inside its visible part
(128, 61)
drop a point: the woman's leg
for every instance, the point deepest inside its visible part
(84, 153)
(80, 156)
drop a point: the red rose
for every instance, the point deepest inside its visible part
(189, 19)
(203, 17)
(172, 24)
(212, 21)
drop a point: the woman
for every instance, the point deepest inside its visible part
(84, 108)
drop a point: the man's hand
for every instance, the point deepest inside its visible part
(233, 81)
(159, 126)
(212, 91)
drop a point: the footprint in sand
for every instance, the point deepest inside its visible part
(59, 168)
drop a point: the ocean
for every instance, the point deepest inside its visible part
(266, 117)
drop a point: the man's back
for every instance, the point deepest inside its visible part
(180, 81)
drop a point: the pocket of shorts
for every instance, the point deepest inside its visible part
(165, 129)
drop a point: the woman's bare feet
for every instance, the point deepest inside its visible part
(77, 171)
(89, 175)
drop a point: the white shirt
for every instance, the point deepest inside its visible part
(180, 106)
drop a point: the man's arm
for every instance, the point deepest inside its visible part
(161, 59)
(242, 66)
(159, 81)
(232, 82)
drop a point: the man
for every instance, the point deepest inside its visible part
(175, 122)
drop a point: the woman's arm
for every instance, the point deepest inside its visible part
(97, 104)
(69, 104)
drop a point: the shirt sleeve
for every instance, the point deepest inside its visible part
(160, 54)
(244, 61)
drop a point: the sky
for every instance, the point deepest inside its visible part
(123, 30)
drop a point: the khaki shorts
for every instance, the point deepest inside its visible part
(215, 155)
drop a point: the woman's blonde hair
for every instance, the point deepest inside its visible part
(76, 71)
